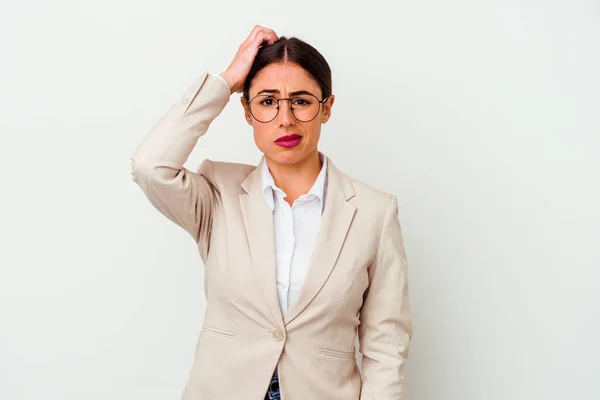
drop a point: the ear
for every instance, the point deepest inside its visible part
(327, 108)
(247, 114)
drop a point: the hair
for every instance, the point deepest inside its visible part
(296, 51)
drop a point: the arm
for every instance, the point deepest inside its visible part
(385, 328)
(185, 197)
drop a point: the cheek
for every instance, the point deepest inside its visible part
(314, 131)
(261, 136)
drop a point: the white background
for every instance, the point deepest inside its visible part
(482, 118)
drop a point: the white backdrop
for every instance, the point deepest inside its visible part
(482, 118)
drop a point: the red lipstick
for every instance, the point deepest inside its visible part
(289, 141)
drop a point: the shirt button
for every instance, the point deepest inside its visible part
(278, 335)
(185, 101)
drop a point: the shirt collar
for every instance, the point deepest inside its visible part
(270, 189)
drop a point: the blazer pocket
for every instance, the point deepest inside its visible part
(218, 332)
(338, 353)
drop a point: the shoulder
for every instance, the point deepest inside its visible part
(365, 195)
(371, 194)
(374, 206)
(225, 173)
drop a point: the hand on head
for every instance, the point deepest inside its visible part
(238, 70)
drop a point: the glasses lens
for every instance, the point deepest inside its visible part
(265, 108)
(305, 107)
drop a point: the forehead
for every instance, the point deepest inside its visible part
(285, 77)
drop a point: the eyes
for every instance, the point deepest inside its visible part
(296, 102)
(304, 107)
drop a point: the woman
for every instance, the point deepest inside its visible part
(299, 258)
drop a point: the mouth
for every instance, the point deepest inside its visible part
(289, 141)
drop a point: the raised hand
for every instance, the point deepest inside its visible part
(238, 70)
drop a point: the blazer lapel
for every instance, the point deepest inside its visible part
(336, 220)
(258, 222)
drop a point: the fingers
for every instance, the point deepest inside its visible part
(242, 61)
(254, 33)
(261, 34)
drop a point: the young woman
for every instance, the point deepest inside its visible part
(299, 258)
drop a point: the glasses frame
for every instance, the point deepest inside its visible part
(279, 105)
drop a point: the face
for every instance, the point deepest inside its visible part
(281, 80)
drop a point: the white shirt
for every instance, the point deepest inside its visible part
(296, 229)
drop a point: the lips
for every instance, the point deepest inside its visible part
(289, 141)
(293, 136)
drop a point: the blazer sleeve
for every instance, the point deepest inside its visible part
(385, 328)
(185, 197)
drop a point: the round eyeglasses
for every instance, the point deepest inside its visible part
(305, 107)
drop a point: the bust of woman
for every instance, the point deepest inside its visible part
(300, 259)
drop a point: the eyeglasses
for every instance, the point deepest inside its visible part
(264, 108)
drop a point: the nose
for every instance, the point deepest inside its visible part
(286, 118)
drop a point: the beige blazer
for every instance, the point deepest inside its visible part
(356, 281)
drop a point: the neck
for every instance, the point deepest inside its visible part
(296, 179)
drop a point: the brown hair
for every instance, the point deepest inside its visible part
(296, 51)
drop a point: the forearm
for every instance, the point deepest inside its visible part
(384, 361)
(172, 139)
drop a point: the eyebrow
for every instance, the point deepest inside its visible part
(297, 92)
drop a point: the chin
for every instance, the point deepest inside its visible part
(287, 156)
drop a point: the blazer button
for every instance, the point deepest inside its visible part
(278, 335)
